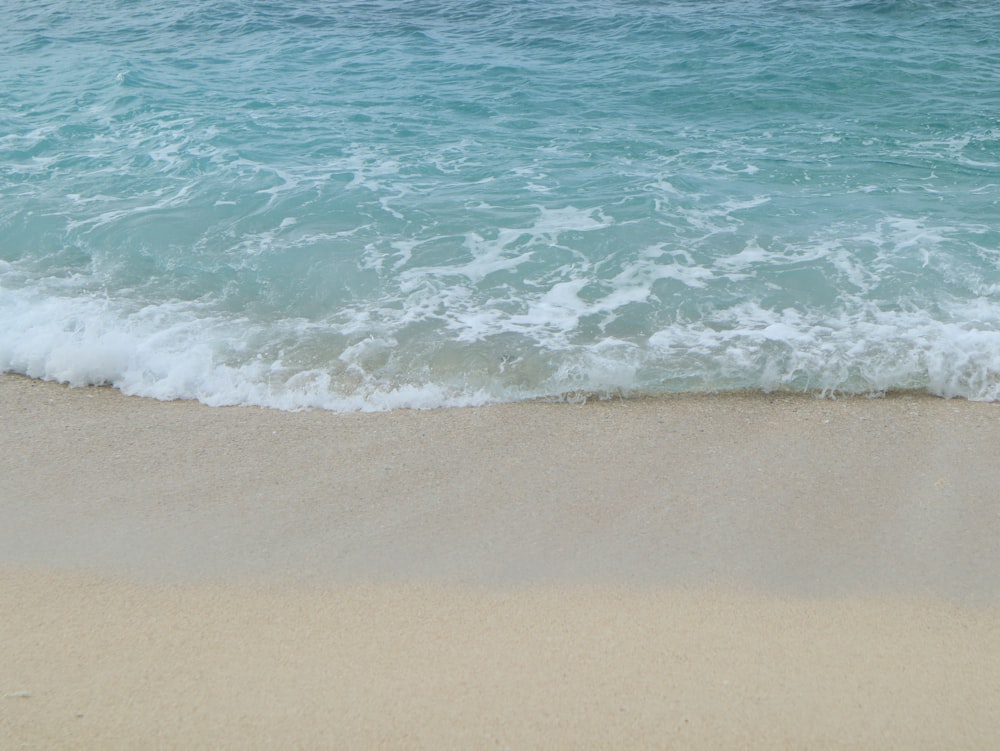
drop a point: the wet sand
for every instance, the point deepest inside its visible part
(715, 571)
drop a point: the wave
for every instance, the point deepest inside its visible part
(177, 351)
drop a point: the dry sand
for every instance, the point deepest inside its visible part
(696, 572)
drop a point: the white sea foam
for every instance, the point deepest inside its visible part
(173, 351)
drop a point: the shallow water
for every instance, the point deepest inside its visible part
(367, 205)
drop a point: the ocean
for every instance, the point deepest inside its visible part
(368, 205)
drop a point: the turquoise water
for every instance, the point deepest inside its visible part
(369, 205)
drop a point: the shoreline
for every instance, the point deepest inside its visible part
(781, 493)
(752, 571)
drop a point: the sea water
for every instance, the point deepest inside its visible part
(368, 204)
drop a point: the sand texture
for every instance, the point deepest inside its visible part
(694, 572)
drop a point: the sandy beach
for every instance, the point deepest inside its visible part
(729, 571)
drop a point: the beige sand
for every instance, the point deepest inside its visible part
(712, 572)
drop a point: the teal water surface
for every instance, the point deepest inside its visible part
(373, 204)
